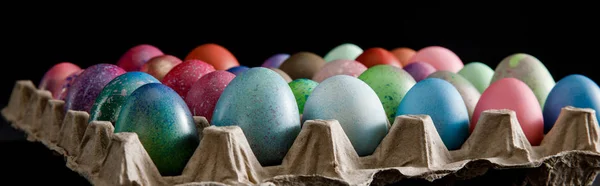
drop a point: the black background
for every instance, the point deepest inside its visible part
(565, 42)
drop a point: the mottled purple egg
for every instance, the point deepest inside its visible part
(204, 94)
(135, 57)
(419, 70)
(275, 60)
(340, 67)
(84, 90)
(68, 82)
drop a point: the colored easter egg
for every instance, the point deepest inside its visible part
(216, 55)
(302, 65)
(163, 124)
(237, 70)
(574, 90)
(135, 57)
(182, 76)
(403, 54)
(262, 104)
(339, 67)
(378, 56)
(204, 94)
(54, 78)
(390, 84)
(113, 95)
(439, 57)
(529, 70)
(159, 66)
(275, 60)
(443, 103)
(302, 89)
(285, 76)
(68, 82)
(346, 51)
(89, 84)
(354, 105)
(513, 94)
(419, 70)
(468, 92)
(479, 74)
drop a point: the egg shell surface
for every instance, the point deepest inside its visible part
(159, 66)
(55, 77)
(378, 56)
(468, 92)
(347, 51)
(302, 65)
(439, 57)
(68, 82)
(216, 55)
(419, 70)
(275, 61)
(340, 67)
(479, 74)
(284, 75)
(204, 94)
(88, 85)
(237, 70)
(302, 88)
(182, 76)
(403, 54)
(135, 57)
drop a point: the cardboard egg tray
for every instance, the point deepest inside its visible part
(322, 154)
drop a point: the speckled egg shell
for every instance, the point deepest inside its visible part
(163, 124)
(419, 70)
(68, 82)
(285, 76)
(439, 57)
(275, 60)
(529, 70)
(55, 77)
(204, 94)
(390, 84)
(182, 76)
(302, 89)
(354, 105)
(113, 95)
(262, 104)
(237, 70)
(468, 92)
(340, 67)
(347, 51)
(302, 65)
(479, 74)
(82, 94)
(159, 66)
(135, 57)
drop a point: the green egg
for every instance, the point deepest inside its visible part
(390, 84)
(347, 51)
(478, 74)
(302, 89)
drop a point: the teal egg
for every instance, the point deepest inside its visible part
(302, 88)
(346, 51)
(354, 105)
(164, 125)
(479, 74)
(262, 104)
(113, 95)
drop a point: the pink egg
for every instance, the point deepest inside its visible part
(439, 57)
(183, 76)
(135, 57)
(53, 79)
(513, 94)
(339, 67)
(204, 94)
(64, 88)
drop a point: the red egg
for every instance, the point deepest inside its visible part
(53, 79)
(439, 57)
(183, 76)
(135, 57)
(403, 54)
(204, 94)
(214, 54)
(377, 56)
(513, 94)
(159, 66)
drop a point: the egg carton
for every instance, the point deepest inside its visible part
(322, 154)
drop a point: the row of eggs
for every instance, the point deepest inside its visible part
(362, 90)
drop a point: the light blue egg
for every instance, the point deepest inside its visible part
(443, 103)
(262, 104)
(354, 105)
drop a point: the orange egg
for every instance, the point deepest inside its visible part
(403, 54)
(214, 54)
(378, 56)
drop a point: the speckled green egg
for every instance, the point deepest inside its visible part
(467, 91)
(113, 95)
(262, 104)
(479, 74)
(164, 125)
(528, 69)
(390, 84)
(302, 89)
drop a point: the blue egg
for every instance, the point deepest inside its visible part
(443, 103)
(262, 104)
(355, 106)
(237, 70)
(574, 90)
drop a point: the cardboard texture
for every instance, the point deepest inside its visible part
(322, 153)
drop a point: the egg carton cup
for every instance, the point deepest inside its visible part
(322, 153)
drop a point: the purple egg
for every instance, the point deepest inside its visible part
(419, 70)
(275, 60)
(86, 87)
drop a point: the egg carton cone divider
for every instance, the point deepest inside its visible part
(321, 153)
